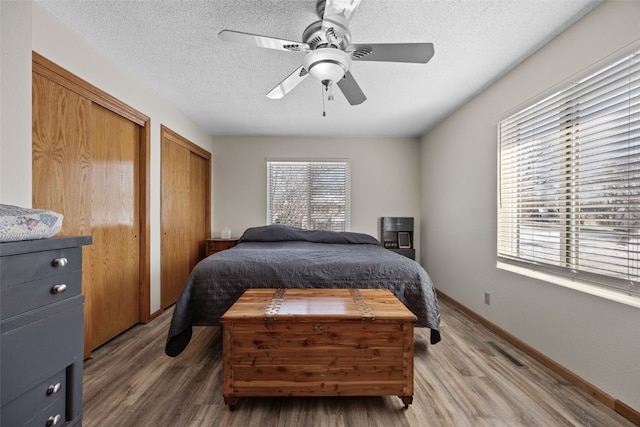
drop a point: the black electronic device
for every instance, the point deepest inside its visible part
(396, 234)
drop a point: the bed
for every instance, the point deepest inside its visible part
(279, 256)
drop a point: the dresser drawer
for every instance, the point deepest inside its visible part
(27, 267)
(36, 400)
(22, 297)
(37, 346)
(54, 415)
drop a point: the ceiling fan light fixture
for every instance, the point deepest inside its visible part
(327, 64)
(327, 71)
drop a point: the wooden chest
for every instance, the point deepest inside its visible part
(318, 342)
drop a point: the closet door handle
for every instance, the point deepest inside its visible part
(58, 289)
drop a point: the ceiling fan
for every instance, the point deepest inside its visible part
(329, 51)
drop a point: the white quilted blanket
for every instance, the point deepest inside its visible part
(18, 223)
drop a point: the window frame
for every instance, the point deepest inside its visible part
(307, 163)
(569, 240)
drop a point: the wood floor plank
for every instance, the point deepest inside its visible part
(471, 378)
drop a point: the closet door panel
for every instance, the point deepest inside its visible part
(199, 169)
(176, 215)
(115, 221)
(185, 212)
(61, 154)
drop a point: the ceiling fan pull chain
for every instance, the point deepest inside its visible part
(324, 113)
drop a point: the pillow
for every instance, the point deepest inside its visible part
(285, 233)
(18, 223)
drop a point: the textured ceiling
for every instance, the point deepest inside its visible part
(173, 46)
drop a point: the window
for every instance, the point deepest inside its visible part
(312, 195)
(569, 182)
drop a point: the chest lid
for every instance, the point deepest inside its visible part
(310, 305)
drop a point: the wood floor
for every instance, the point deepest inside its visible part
(472, 378)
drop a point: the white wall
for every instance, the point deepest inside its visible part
(385, 177)
(15, 103)
(26, 27)
(597, 339)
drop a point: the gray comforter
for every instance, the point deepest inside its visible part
(285, 257)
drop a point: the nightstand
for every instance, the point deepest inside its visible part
(218, 244)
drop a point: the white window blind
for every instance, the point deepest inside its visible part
(309, 194)
(569, 181)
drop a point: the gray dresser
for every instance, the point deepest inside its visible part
(41, 332)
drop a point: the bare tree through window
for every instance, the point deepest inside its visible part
(312, 195)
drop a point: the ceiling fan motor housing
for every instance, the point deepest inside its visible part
(331, 32)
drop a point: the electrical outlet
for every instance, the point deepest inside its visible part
(487, 298)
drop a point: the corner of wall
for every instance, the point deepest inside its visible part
(15, 103)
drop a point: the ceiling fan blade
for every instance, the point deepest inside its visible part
(419, 53)
(262, 41)
(344, 8)
(351, 90)
(288, 84)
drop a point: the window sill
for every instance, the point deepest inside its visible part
(573, 284)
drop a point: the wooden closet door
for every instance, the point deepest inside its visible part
(61, 155)
(175, 217)
(115, 222)
(85, 166)
(199, 188)
(184, 213)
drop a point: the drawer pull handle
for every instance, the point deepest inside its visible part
(53, 388)
(60, 262)
(58, 289)
(53, 420)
